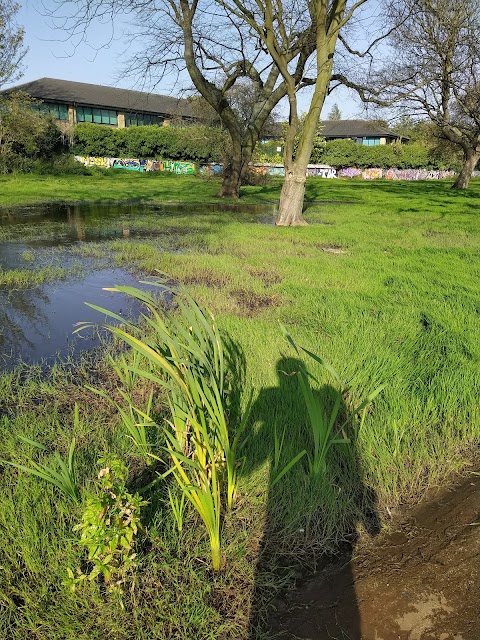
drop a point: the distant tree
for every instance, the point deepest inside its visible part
(335, 113)
(11, 43)
(434, 71)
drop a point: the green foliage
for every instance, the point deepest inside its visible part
(11, 43)
(267, 152)
(109, 528)
(195, 143)
(61, 474)
(185, 356)
(326, 431)
(347, 153)
(25, 134)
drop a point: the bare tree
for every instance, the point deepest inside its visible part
(274, 47)
(433, 71)
(320, 22)
(11, 43)
(223, 55)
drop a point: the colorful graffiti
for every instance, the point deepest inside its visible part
(417, 174)
(321, 171)
(130, 164)
(135, 164)
(350, 172)
(90, 161)
(212, 169)
(315, 170)
(174, 166)
(372, 174)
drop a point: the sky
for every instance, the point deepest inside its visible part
(52, 54)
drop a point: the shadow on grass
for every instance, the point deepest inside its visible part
(305, 518)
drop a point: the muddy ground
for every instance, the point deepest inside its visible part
(419, 580)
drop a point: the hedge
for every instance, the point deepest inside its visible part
(195, 143)
(347, 153)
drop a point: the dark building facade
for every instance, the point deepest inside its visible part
(72, 102)
(366, 132)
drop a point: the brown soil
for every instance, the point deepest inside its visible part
(206, 278)
(267, 276)
(417, 581)
(332, 248)
(253, 303)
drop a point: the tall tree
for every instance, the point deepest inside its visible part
(335, 113)
(434, 71)
(11, 43)
(224, 57)
(320, 22)
(270, 45)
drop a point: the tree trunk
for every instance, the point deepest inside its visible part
(469, 163)
(234, 169)
(290, 209)
(232, 179)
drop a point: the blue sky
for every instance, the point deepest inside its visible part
(52, 55)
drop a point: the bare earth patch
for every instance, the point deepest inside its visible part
(419, 581)
(206, 278)
(267, 276)
(252, 303)
(332, 248)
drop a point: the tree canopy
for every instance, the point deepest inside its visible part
(11, 43)
(433, 71)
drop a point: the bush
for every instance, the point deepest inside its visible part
(196, 143)
(26, 135)
(347, 153)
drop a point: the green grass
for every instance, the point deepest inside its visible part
(385, 289)
(21, 278)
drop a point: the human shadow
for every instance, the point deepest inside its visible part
(306, 517)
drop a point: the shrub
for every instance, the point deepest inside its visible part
(347, 153)
(196, 143)
(25, 134)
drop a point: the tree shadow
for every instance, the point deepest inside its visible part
(306, 518)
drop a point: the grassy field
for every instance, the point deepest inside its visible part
(383, 284)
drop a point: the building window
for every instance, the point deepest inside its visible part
(141, 120)
(99, 116)
(56, 110)
(371, 142)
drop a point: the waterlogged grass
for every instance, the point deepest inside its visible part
(23, 278)
(385, 289)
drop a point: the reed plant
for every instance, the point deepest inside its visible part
(327, 425)
(183, 353)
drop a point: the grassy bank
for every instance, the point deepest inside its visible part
(386, 289)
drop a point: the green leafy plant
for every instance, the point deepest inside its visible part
(109, 528)
(60, 473)
(135, 420)
(326, 432)
(184, 355)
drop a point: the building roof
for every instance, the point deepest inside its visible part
(94, 95)
(354, 129)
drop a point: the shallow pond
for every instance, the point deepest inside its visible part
(36, 319)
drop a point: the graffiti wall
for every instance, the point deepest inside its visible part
(321, 171)
(211, 169)
(395, 174)
(350, 172)
(417, 174)
(135, 164)
(313, 170)
(372, 174)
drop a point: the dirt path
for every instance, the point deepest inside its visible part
(419, 581)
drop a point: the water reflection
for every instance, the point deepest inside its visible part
(36, 323)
